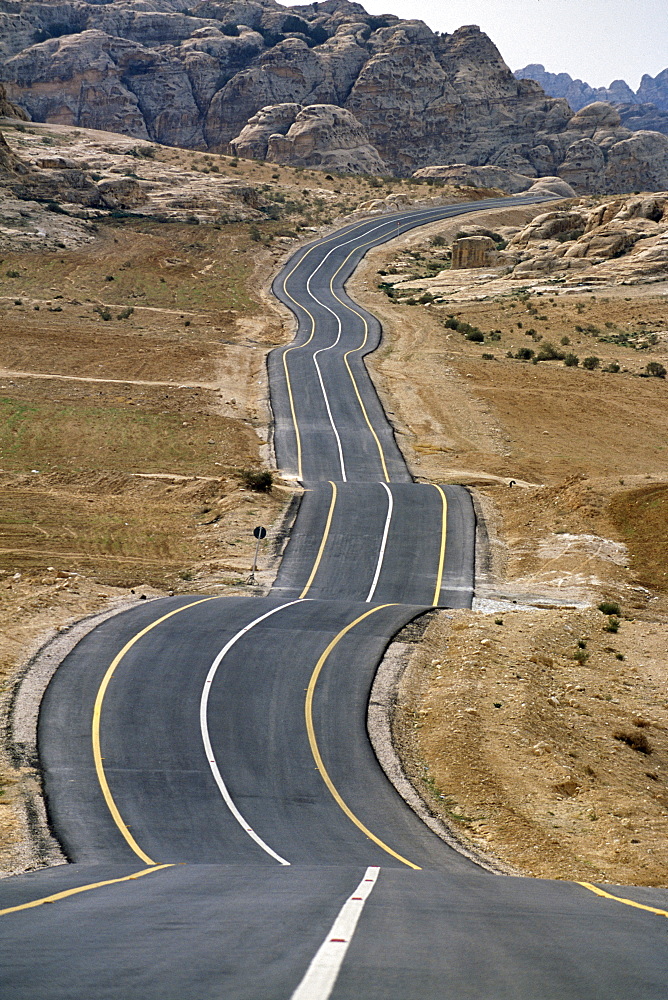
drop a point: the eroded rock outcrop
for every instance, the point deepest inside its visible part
(622, 240)
(321, 135)
(479, 177)
(473, 251)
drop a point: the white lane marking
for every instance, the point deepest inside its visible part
(321, 974)
(331, 346)
(383, 544)
(208, 749)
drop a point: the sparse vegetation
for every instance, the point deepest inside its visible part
(636, 740)
(591, 363)
(258, 480)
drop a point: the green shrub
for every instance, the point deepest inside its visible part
(258, 480)
(125, 313)
(612, 367)
(571, 360)
(591, 363)
(548, 352)
(655, 369)
(613, 625)
(610, 608)
(525, 354)
(477, 336)
(103, 312)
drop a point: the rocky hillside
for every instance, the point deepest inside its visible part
(593, 154)
(646, 108)
(392, 95)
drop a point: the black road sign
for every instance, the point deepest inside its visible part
(260, 532)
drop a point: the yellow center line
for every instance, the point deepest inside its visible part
(444, 535)
(308, 711)
(81, 888)
(97, 712)
(298, 347)
(356, 350)
(622, 899)
(323, 543)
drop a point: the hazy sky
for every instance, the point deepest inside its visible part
(596, 40)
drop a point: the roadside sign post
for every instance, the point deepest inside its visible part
(259, 534)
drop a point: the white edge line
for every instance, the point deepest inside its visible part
(383, 544)
(321, 975)
(208, 749)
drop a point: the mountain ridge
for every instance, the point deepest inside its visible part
(645, 108)
(195, 78)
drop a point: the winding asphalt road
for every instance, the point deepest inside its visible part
(208, 772)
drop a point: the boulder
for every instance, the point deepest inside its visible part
(478, 177)
(321, 135)
(552, 185)
(473, 251)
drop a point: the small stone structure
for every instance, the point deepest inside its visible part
(473, 251)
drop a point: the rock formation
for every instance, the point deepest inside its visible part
(479, 177)
(647, 108)
(622, 240)
(198, 77)
(321, 135)
(594, 154)
(473, 251)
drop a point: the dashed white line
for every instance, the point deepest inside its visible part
(383, 544)
(321, 974)
(204, 727)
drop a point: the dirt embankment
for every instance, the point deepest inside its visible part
(537, 725)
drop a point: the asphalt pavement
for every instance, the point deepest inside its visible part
(207, 768)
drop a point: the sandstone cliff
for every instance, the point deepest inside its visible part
(198, 77)
(594, 154)
(195, 77)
